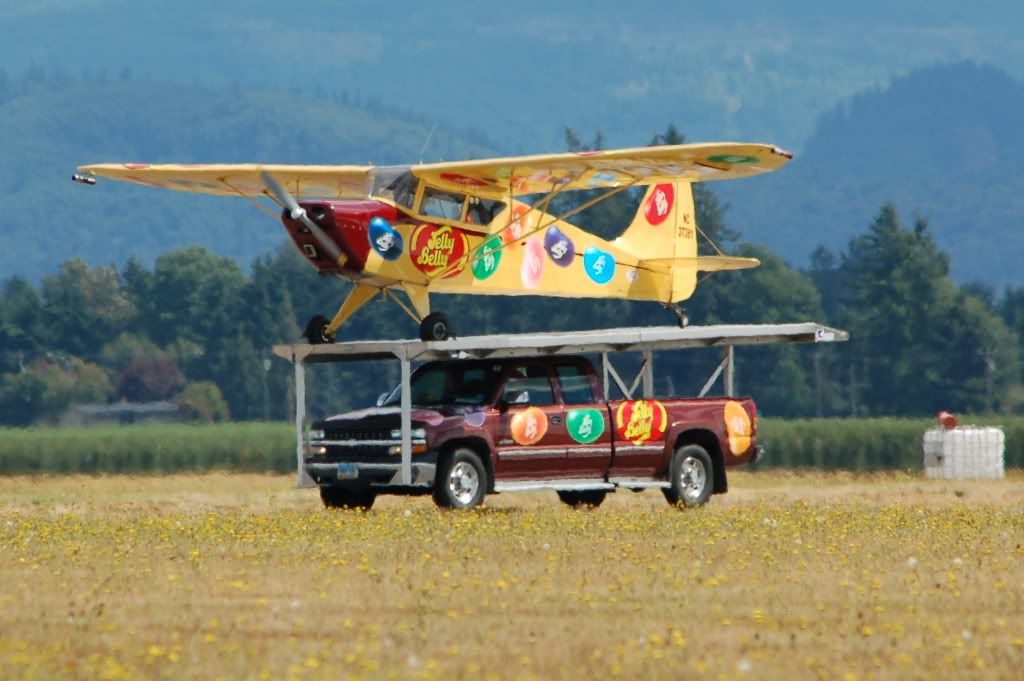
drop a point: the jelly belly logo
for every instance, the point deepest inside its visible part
(385, 239)
(585, 425)
(659, 203)
(436, 248)
(529, 426)
(737, 428)
(641, 421)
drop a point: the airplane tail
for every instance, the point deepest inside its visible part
(664, 232)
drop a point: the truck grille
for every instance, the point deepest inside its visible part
(376, 435)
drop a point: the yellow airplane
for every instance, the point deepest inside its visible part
(483, 227)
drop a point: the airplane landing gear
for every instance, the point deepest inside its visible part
(436, 327)
(680, 314)
(316, 331)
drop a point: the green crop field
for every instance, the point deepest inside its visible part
(817, 575)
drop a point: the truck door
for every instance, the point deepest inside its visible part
(589, 454)
(532, 439)
(639, 427)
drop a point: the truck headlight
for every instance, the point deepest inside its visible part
(416, 433)
(316, 435)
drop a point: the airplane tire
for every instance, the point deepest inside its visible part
(316, 330)
(436, 327)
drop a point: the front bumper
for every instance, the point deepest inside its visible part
(372, 474)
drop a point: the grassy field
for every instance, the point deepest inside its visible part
(242, 576)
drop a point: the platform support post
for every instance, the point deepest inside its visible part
(604, 374)
(302, 478)
(730, 374)
(648, 369)
(406, 422)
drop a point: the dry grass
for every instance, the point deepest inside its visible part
(812, 575)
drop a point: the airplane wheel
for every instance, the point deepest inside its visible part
(435, 327)
(316, 330)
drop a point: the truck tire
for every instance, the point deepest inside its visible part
(339, 497)
(583, 497)
(461, 479)
(691, 477)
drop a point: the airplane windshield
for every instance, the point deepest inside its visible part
(395, 183)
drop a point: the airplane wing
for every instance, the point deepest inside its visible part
(241, 179)
(605, 169)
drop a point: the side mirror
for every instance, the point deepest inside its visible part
(382, 399)
(517, 397)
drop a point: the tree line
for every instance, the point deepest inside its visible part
(197, 329)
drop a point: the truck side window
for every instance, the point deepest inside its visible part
(534, 380)
(576, 388)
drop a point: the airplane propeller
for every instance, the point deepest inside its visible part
(298, 213)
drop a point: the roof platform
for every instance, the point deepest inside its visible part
(632, 339)
(644, 339)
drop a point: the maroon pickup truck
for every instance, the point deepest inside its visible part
(488, 426)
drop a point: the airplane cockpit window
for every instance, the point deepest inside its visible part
(395, 183)
(438, 203)
(483, 211)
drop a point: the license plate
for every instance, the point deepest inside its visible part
(347, 471)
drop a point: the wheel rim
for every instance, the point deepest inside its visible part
(463, 482)
(440, 330)
(692, 478)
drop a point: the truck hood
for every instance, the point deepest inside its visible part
(383, 416)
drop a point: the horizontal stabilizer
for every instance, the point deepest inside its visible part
(704, 263)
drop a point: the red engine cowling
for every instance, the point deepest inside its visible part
(346, 223)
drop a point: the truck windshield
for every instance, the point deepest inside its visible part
(435, 385)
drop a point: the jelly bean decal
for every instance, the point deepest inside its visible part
(385, 239)
(559, 247)
(733, 159)
(520, 224)
(659, 203)
(434, 249)
(533, 263)
(529, 426)
(599, 265)
(641, 420)
(487, 259)
(585, 425)
(737, 427)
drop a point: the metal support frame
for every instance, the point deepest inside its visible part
(603, 341)
(303, 480)
(727, 366)
(406, 421)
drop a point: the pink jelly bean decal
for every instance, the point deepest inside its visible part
(533, 262)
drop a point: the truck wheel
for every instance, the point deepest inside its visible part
(461, 479)
(583, 497)
(339, 497)
(692, 477)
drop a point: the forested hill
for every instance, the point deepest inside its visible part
(53, 124)
(945, 143)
